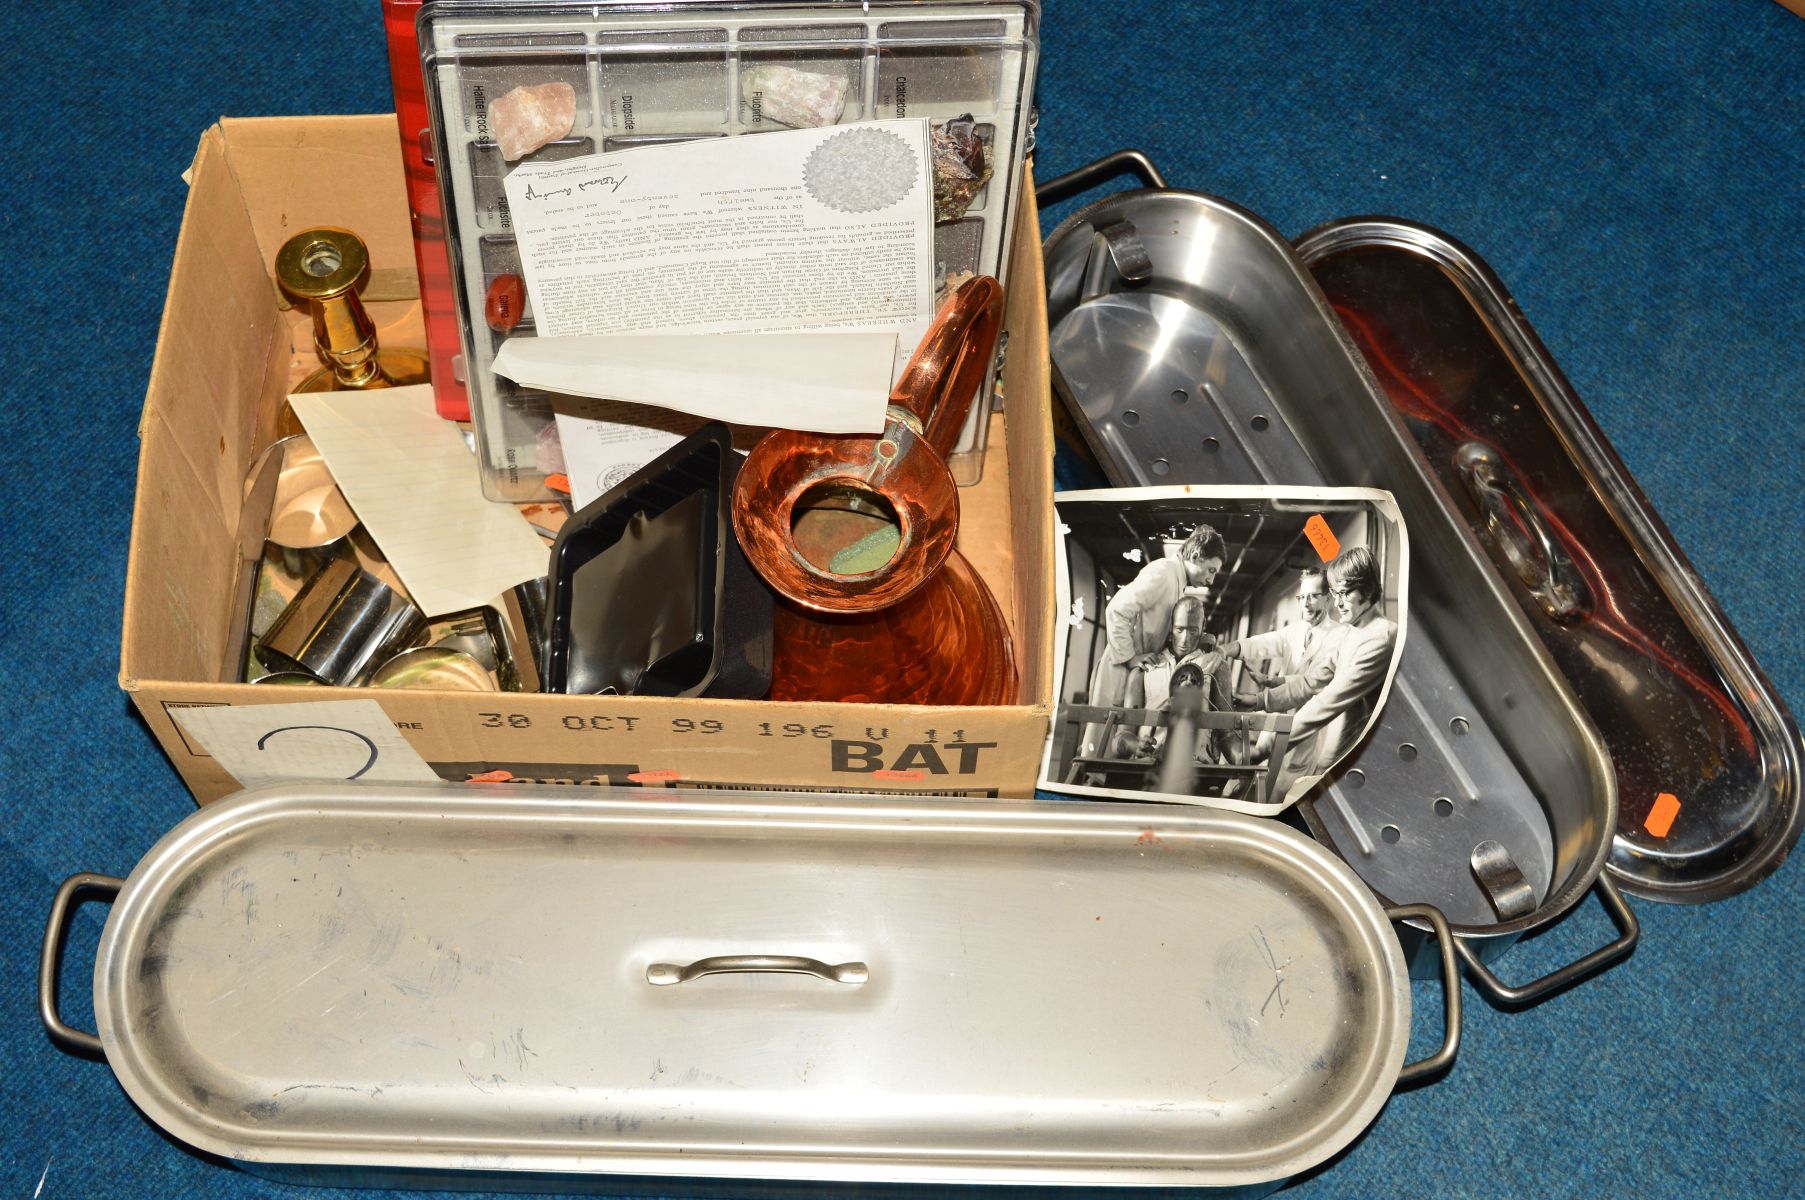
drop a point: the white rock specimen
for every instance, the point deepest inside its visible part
(800, 99)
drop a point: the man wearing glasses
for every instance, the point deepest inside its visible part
(1332, 719)
(1302, 652)
(1330, 722)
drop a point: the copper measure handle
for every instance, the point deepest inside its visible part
(944, 373)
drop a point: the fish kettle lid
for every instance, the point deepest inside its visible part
(442, 977)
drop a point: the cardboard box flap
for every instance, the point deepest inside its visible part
(1027, 379)
(214, 350)
(297, 172)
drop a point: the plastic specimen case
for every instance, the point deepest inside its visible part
(647, 74)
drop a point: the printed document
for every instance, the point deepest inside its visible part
(807, 229)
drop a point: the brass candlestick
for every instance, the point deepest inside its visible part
(324, 267)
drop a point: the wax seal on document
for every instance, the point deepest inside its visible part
(860, 170)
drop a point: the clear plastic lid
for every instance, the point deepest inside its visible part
(646, 74)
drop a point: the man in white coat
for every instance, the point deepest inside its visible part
(1301, 652)
(1138, 619)
(1329, 723)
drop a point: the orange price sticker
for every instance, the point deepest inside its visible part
(654, 776)
(1661, 816)
(497, 776)
(558, 483)
(888, 774)
(1322, 538)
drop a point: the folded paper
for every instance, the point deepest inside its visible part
(414, 484)
(823, 382)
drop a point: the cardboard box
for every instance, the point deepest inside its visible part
(228, 351)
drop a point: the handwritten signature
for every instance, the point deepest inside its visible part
(611, 182)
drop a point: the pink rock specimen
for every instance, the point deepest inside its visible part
(528, 117)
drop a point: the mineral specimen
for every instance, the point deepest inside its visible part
(529, 117)
(801, 99)
(961, 168)
(505, 303)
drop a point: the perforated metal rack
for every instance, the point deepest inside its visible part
(1190, 346)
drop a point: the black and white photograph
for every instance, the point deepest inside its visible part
(1221, 646)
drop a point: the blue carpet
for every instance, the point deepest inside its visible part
(1635, 171)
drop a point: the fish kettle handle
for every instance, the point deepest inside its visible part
(783, 964)
(1629, 931)
(1439, 1062)
(56, 931)
(1122, 162)
(1522, 535)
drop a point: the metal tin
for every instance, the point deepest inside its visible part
(311, 523)
(471, 632)
(1679, 701)
(583, 981)
(434, 668)
(1191, 346)
(519, 636)
(340, 626)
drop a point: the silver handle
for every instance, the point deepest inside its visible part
(50, 962)
(1122, 162)
(783, 964)
(1443, 1058)
(1545, 567)
(1629, 931)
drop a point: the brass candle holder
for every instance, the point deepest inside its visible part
(323, 267)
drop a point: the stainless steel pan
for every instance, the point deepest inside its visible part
(1708, 758)
(1190, 345)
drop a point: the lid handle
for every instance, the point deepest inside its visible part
(782, 964)
(1521, 534)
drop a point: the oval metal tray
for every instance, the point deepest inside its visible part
(462, 978)
(1681, 704)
